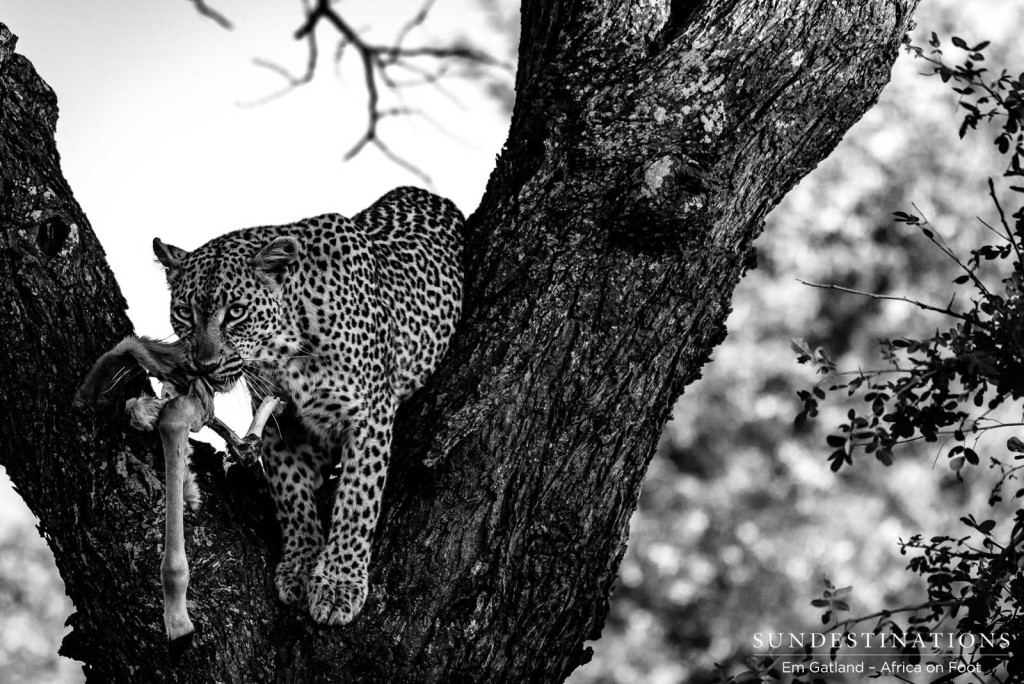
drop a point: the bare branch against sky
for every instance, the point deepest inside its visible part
(212, 14)
(424, 65)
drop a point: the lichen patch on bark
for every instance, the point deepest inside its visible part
(655, 176)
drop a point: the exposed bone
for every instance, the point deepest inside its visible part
(269, 407)
(245, 449)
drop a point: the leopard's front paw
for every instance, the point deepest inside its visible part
(335, 600)
(292, 577)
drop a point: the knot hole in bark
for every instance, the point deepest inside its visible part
(666, 204)
(680, 13)
(52, 236)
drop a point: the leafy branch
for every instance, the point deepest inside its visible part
(947, 385)
(978, 361)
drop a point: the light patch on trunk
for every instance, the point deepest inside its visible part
(654, 176)
(648, 17)
(713, 120)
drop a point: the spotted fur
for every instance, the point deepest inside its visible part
(343, 318)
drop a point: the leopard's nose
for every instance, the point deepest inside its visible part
(207, 365)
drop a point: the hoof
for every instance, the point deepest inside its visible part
(176, 647)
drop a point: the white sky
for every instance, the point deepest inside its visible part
(154, 143)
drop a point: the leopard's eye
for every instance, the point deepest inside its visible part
(235, 312)
(183, 313)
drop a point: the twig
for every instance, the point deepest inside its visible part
(888, 613)
(376, 59)
(936, 239)
(395, 158)
(1002, 219)
(293, 81)
(211, 13)
(921, 305)
(416, 21)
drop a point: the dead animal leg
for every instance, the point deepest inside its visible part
(180, 416)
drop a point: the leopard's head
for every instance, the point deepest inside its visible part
(226, 301)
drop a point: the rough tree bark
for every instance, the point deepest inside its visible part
(648, 142)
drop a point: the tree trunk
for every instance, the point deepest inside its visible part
(648, 142)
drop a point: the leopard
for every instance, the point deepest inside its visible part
(343, 319)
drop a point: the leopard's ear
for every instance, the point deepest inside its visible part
(276, 256)
(170, 256)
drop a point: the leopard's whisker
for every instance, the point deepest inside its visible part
(247, 377)
(253, 381)
(305, 348)
(262, 384)
(267, 382)
(117, 378)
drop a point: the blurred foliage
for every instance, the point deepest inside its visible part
(741, 521)
(956, 385)
(33, 605)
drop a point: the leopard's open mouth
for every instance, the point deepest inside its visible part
(223, 378)
(223, 383)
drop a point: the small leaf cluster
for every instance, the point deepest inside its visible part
(818, 359)
(833, 600)
(983, 95)
(976, 580)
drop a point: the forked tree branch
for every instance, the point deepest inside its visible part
(293, 81)
(376, 60)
